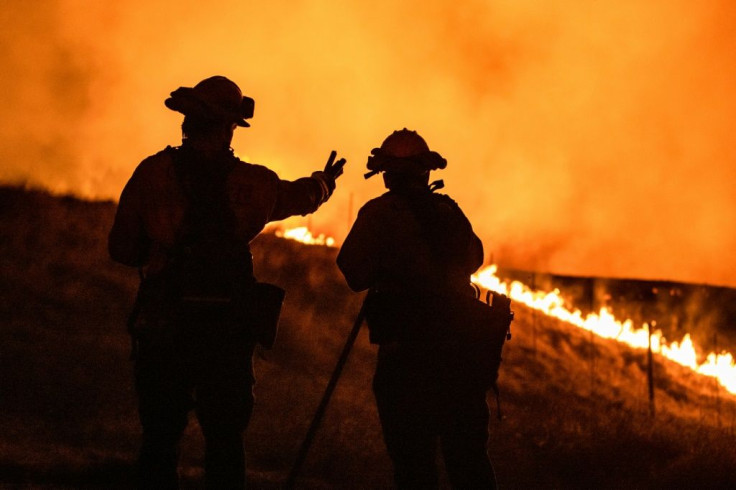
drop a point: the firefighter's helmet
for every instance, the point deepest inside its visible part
(404, 151)
(216, 98)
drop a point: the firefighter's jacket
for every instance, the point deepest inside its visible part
(420, 244)
(152, 206)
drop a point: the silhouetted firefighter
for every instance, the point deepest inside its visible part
(439, 347)
(186, 217)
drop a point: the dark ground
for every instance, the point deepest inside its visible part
(577, 413)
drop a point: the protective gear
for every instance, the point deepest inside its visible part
(334, 168)
(216, 98)
(417, 247)
(186, 217)
(327, 177)
(421, 243)
(404, 152)
(404, 144)
(204, 369)
(419, 397)
(152, 206)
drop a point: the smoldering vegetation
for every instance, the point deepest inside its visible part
(576, 410)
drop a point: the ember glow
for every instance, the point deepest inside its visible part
(303, 235)
(717, 365)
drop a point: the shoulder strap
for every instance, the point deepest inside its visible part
(206, 240)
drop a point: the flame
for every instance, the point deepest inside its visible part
(303, 235)
(720, 366)
(717, 365)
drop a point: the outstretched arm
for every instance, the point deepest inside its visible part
(306, 195)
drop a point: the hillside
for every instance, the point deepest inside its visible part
(576, 409)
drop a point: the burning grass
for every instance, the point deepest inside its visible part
(576, 408)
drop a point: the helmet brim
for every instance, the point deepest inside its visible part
(185, 101)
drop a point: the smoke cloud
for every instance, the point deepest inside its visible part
(582, 138)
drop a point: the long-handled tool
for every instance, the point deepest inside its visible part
(312, 431)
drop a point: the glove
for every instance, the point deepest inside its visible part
(333, 169)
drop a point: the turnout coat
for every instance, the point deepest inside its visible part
(151, 212)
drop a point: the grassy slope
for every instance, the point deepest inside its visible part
(575, 416)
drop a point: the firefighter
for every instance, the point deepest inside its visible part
(416, 249)
(186, 218)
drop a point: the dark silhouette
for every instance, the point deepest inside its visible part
(186, 218)
(415, 250)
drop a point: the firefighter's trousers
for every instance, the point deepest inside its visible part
(199, 365)
(422, 402)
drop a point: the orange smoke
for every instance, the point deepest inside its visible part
(582, 138)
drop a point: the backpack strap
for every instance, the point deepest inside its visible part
(204, 191)
(205, 249)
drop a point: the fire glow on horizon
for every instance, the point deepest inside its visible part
(582, 138)
(718, 365)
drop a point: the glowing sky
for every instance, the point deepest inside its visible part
(582, 137)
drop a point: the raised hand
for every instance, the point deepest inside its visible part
(334, 168)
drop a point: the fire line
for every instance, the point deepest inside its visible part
(720, 366)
